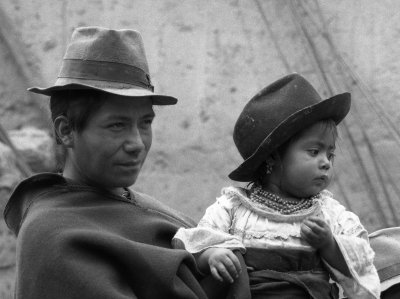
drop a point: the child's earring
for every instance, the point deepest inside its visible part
(268, 168)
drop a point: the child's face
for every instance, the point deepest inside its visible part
(306, 167)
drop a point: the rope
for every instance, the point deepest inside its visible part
(358, 82)
(273, 37)
(379, 164)
(311, 48)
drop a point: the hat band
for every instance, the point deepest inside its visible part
(105, 71)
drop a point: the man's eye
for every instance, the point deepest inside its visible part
(331, 156)
(313, 152)
(147, 122)
(116, 125)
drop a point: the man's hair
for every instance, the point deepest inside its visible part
(78, 106)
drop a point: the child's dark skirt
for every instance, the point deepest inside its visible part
(288, 273)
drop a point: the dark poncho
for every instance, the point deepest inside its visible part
(77, 241)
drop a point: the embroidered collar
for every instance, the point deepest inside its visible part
(243, 194)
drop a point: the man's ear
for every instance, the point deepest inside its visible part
(63, 129)
(272, 159)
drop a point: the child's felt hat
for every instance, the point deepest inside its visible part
(113, 61)
(386, 244)
(275, 114)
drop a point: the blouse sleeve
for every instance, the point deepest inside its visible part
(352, 239)
(213, 229)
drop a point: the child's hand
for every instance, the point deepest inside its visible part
(224, 265)
(317, 232)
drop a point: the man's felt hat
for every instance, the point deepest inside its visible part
(113, 61)
(275, 114)
(386, 244)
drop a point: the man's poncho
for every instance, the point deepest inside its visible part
(77, 241)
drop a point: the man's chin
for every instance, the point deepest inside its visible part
(128, 182)
(123, 182)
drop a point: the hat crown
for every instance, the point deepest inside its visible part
(107, 45)
(107, 60)
(269, 108)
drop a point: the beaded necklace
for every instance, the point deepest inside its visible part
(275, 202)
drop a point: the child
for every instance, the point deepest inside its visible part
(293, 234)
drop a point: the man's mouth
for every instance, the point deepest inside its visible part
(130, 164)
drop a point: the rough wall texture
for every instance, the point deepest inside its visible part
(213, 56)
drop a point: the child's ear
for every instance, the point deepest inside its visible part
(64, 131)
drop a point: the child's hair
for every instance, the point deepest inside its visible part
(329, 126)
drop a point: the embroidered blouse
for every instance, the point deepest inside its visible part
(235, 222)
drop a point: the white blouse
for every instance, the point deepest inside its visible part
(235, 222)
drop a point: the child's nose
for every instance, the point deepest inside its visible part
(325, 162)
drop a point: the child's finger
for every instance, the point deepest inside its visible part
(308, 234)
(306, 230)
(319, 221)
(215, 274)
(224, 273)
(235, 262)
(230, 267)
(315, 227)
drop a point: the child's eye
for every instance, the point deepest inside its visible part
(331, 156)
(313, 152)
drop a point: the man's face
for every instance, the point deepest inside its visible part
(111, 149)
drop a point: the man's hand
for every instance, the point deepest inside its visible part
(224, 265)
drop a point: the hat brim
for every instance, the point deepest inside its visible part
(386, 244)
(335, 108)
(121, 89)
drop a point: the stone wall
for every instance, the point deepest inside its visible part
(35, 147)
(213, 56)
(9, 177)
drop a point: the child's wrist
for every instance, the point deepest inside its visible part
(328, 247)
(202, 259)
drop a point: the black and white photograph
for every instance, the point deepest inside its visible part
(199, 149)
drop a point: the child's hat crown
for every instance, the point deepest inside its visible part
(275, 114)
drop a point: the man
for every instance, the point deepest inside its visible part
(85, 233)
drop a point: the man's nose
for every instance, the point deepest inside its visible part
(134, 141)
